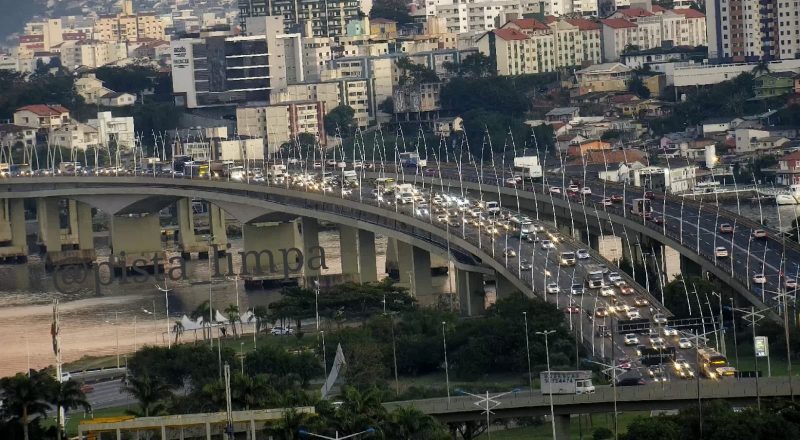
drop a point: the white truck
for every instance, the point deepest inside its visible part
(527, 167)
(566, 382)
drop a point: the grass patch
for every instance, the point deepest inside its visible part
(75, 417)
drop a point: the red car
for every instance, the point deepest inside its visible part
(572, 309)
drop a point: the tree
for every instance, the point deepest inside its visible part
(340, 120)
(654, 428)
(414, 74)
(409, 423)
(203, 311)
(232, 312)
(762, 67)
(476, 65)
(387, 106)
(249, 392)
(360, 409)
(636, 85)
(365, 367)
(150, 392)
(67, 395)
(26, 396)
(391, 10)
(178, 329)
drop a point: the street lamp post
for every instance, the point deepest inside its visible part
(546, 333)
(528, 350)
(487, 403)
(446, 366)
(304, 433)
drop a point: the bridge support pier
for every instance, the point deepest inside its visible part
(358, 254)
(13, 244)
(188, 241)
(136, 241)
(671, 263)
(503, 287)
(306, 239)
(471, 292)
(562, 427)
(70, 245)
(262, 259)
(414, 265)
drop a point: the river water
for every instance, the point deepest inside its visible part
(92, 324)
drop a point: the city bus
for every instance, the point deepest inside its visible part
(713, 364)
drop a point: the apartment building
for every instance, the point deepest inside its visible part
(560, 43)
(747, 30)
(327, 18)
(280, 123)
(479, 16)
(91, 53)
(513, 52)
(110, 129)
(643, 29)
(222, 70)
(74, 136)
(357, 93)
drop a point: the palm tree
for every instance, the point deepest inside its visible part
(203, 311)
(761, 67)
(251, 392)
(178, 330)
(68, 395)
(407, 423)
(261, 315)
(150, 392)
(25, 397)
(232, 312)
(288, 426)
(360, 409)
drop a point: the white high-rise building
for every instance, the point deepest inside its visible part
(747, 30)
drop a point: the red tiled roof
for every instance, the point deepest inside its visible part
(620, 99)
(791, 156)
(44, 110)
(549, 19)
(657, 8)
(583, 24)
(529, 24)
(616, 156)
(689, 13)
(31, 38)
(509, 34)
(634, 12)
(617, 23)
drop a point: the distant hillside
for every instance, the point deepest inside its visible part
(14, 17)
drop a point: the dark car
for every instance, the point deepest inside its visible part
(649, 195)
(630, 382)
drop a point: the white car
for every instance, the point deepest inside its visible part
(555, 190)
(685, 343)
(631, 339)
(607, 291)
(634, 314)
(790, 283)
(669, 331)
(759, 278)
(547, 244)
(614, 276)
(582, 254)
(607, 202)
(658, 340)
(281, 331)
(721, 252)
(553, 288)
(660, 319)
(586, 191)
(510, 253)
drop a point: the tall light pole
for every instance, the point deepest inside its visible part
(487, 402)
(528, 350)
(546, 333)
(446, 366)
(304, 433)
